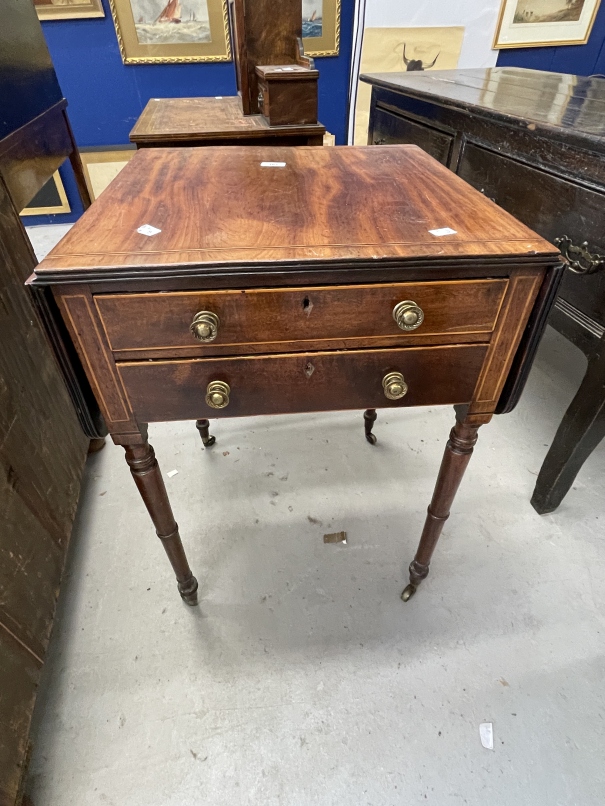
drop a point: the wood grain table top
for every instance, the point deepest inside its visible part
(206, 118)
(261, 206)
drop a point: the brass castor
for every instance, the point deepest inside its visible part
(371, 439)
(188, 591)
(408, 592)
(203, 426)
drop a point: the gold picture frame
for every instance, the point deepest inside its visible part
(55, 190)
(68, 9)
(201, 37)
(537, 23)
(325, 39)
(102, 166)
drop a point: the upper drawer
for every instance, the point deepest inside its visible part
(552, 206)
(162, 320)
(391, 128)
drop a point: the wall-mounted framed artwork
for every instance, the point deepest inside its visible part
(321, 27)
(537, 23)
(388, 50)
(68, 9)
(172, 31)
(51, 199)
(102, 165)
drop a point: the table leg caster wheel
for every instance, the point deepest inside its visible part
(371, 439)
(207, 438)
(188, 591)
(408, 592)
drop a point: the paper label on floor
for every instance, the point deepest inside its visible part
(486, 733)
(273, 165)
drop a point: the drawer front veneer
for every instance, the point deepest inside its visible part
(162, 321)
(303, 382)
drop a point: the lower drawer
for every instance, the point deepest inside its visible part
(287, 383)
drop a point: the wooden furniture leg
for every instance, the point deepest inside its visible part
(148, 477)
(580, 431)
(207, 438)
(456, 457)
(369, 418)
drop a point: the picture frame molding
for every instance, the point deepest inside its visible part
(97, 155)
(58, 13)
(64, 207)
(540, 43)
(322, 47)
(167, 59)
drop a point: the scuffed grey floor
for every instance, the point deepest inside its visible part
(302, 678)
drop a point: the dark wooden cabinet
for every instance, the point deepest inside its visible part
(42, 446)
(533, 142)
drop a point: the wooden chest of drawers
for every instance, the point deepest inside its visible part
(533, 142)
(231, 282)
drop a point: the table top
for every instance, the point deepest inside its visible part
(556, 100)
(206, 118)
(260, 206)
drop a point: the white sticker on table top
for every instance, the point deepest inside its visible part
(147, 229)
(218, 97)
(443, 231)
(273, 165)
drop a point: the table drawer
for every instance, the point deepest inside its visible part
(264, 316)
(301, 382)
(390, 127)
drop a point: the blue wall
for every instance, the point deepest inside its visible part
(106, 97)
(582, 60)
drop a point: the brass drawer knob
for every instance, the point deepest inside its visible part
(217, 394)
(205, 326)
(394, 386)
(408, 315)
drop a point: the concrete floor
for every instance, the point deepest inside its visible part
(302, 678)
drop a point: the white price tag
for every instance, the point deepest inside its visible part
(273, 165)
(147, 229)
(443, 231)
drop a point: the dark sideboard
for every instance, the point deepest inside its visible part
(533, 142)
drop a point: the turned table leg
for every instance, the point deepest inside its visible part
(369, 418)
(203, 427)
(148, 477)
(456, 457)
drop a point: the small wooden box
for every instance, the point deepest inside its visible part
(287, 94)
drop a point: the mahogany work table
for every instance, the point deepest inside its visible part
(215, 121)
(230, 282)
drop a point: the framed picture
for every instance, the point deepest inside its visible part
(387, 50)
(49, 200)
(321, 27)
(102, 166)
(68, 9)
(536, 23)
(172, 31)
